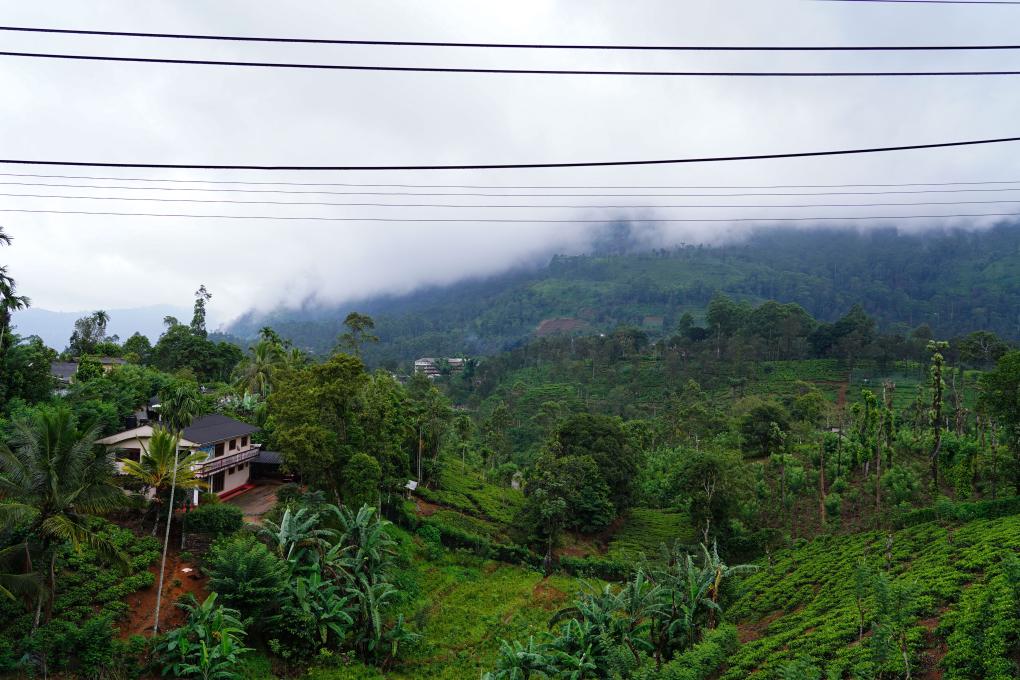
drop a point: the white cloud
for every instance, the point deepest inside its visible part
(122, 112)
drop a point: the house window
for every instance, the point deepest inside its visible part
(219, 449)
(244, 440)
(233, 444)
(217, 482)
(131, 454)
(230, 471)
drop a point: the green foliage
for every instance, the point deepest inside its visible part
(644, 531)
(604, 440)
(207, 646)
(701, 662)
(462, 488)
(216, 519)
(764, 429)
(804, 602)
(247, 576)
(362, 478)
(89, 368)
(90, 600)
(984, 629)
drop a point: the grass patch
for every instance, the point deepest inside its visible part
(467, 605)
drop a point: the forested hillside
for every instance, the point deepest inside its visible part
(953, 281)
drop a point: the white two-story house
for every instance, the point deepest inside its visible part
(226, 442)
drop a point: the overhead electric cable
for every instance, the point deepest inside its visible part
(934, 2)
(529, 46)
(496, 186)
(221, 201)
(511, 195)
(488, 220)
(511, 71)
(510, 166)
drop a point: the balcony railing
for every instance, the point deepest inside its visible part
(214, 465)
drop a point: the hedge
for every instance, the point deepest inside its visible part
(454, 537)
(594, 567)
(947, 510)
(215, 518)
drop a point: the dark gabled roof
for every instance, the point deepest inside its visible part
(216, 428)
(64, 370)
(269, 457)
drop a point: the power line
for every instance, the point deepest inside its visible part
(935, 2)
(509, 71)
(508, 221)
(489, 186)
(509, 166)
(529, 46)
(220, 201)
(510, 195)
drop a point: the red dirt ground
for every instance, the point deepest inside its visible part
(424, 508)
(143, 603)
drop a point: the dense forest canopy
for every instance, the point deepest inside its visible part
(698, 481)
(955, 281)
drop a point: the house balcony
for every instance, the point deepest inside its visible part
(214, 465)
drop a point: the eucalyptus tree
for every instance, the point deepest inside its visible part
(55, 479)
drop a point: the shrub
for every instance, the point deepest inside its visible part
(591, 567)
(289, 493)
(216, 519)
(247, 575)
(701, 661)
(947, 511)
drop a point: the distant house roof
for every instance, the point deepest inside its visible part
(64, 370)
(216, 428)
(143, 432)
(111, 361)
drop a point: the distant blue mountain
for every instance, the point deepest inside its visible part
(55, 327)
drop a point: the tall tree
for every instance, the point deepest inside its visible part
(938, 386)
(198, 318)
(359, 331)
(1000, 396)
(89, 332)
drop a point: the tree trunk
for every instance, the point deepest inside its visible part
(53, 586)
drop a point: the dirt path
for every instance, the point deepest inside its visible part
(841, 395)
(176, 583)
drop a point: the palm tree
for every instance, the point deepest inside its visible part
(179, 405)
(160, 465)
(256, 372)
(10, 301)
(55, 480)
(16, 577)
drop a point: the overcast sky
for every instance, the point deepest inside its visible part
(191, 114)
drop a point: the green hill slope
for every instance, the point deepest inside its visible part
(955, 281)
(803, 602)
